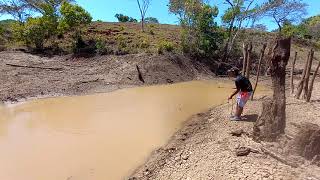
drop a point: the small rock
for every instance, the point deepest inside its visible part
(243, 151)
(185, 156)
(169, 81)
(237, 133)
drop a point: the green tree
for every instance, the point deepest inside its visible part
(131, 19)
(124, 18)
(73, 17)
(151, 20)
(200, 33)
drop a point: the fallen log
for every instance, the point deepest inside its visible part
(90, 81)
(35, 67)
(279, 157)
(140, 74)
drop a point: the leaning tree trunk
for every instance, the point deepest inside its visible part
(292, 72)
(312, 82)
(245, 56)
(259, 69)
(303, 77)
(249, 52)
(272, 122)
(306, 82)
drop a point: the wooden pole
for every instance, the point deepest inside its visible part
(306, 82)
(292, 72)
(259, 68)
(300, 84)
(249, 50)
(244, 63)
(312, 82)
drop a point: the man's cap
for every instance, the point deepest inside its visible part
(234, 69)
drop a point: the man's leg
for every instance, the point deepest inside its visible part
(239, 111)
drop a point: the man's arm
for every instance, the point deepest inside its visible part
(234, 93)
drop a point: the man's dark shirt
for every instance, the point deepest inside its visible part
(243, 84)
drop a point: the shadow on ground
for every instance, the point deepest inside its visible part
(250, 118)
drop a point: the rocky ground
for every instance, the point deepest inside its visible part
(205, 149)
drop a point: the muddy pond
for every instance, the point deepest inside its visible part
(97, 137)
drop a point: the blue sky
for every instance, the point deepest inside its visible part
(106, 9)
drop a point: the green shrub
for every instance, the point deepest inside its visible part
(145, 44)
(35, 32)
(152, 32)
(121, 43)
(102, 48)
(122, 47)
(165, 46)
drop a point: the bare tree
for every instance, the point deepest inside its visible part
(37, 5)
(20, 10)
(238, 12)
(16, 8)
(282, 11)
(143, 8)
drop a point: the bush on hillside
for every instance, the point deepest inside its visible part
(165, 46)
(102, 48)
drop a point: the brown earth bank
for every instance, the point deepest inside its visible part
(28, 76)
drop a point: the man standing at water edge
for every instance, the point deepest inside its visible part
(243, 91)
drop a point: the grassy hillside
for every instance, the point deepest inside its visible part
(127, 38)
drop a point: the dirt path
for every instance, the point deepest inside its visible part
(62, 75)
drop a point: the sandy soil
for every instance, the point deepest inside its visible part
(86, 76)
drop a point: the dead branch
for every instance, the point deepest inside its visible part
(259, 68)
(292, 72)
(279, 157)
(140, 74)
(90, 81)
(249, 51)
(35, 67)
(306, 82)
(244, 63)
(312, 82)
(301, 82)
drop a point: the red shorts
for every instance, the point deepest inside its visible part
(242, 98)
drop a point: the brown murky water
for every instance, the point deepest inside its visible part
(97, 137)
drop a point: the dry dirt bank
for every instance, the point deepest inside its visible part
(63, 75)
(205, 149)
